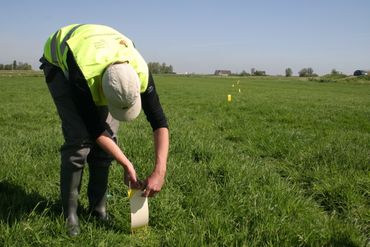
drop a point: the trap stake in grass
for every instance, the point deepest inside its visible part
(229, 98)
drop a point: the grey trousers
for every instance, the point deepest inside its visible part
(78, 148)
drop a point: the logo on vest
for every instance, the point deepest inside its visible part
(122, 42)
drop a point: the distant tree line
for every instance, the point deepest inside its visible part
(157, 68)
(305, 72)
(16, 66)
(288, 72)
(253, 72)
(258, 72)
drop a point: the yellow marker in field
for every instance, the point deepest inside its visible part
(139, 209)
(229, 98)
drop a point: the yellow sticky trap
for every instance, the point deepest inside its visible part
(229, 97)
(139, 209)
(129, 193)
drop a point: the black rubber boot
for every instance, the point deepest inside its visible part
(70, 182)
(97, 192)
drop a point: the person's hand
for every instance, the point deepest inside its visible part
(131, 180)
(153, 184)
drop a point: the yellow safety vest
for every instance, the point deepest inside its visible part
(94, 47)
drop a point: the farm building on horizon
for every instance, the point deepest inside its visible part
(360, 72)
(223, 72)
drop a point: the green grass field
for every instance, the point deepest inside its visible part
(285, 163)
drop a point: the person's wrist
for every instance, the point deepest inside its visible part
(126, 165)
(160, 172)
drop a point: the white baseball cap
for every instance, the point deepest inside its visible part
(121, 87)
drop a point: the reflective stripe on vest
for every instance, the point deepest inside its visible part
(63, 44)
(53, 48)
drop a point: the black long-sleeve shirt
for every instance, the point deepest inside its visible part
(86, 107)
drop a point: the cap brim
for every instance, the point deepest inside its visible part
(127, 114)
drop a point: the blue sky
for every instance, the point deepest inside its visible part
(202, 36)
